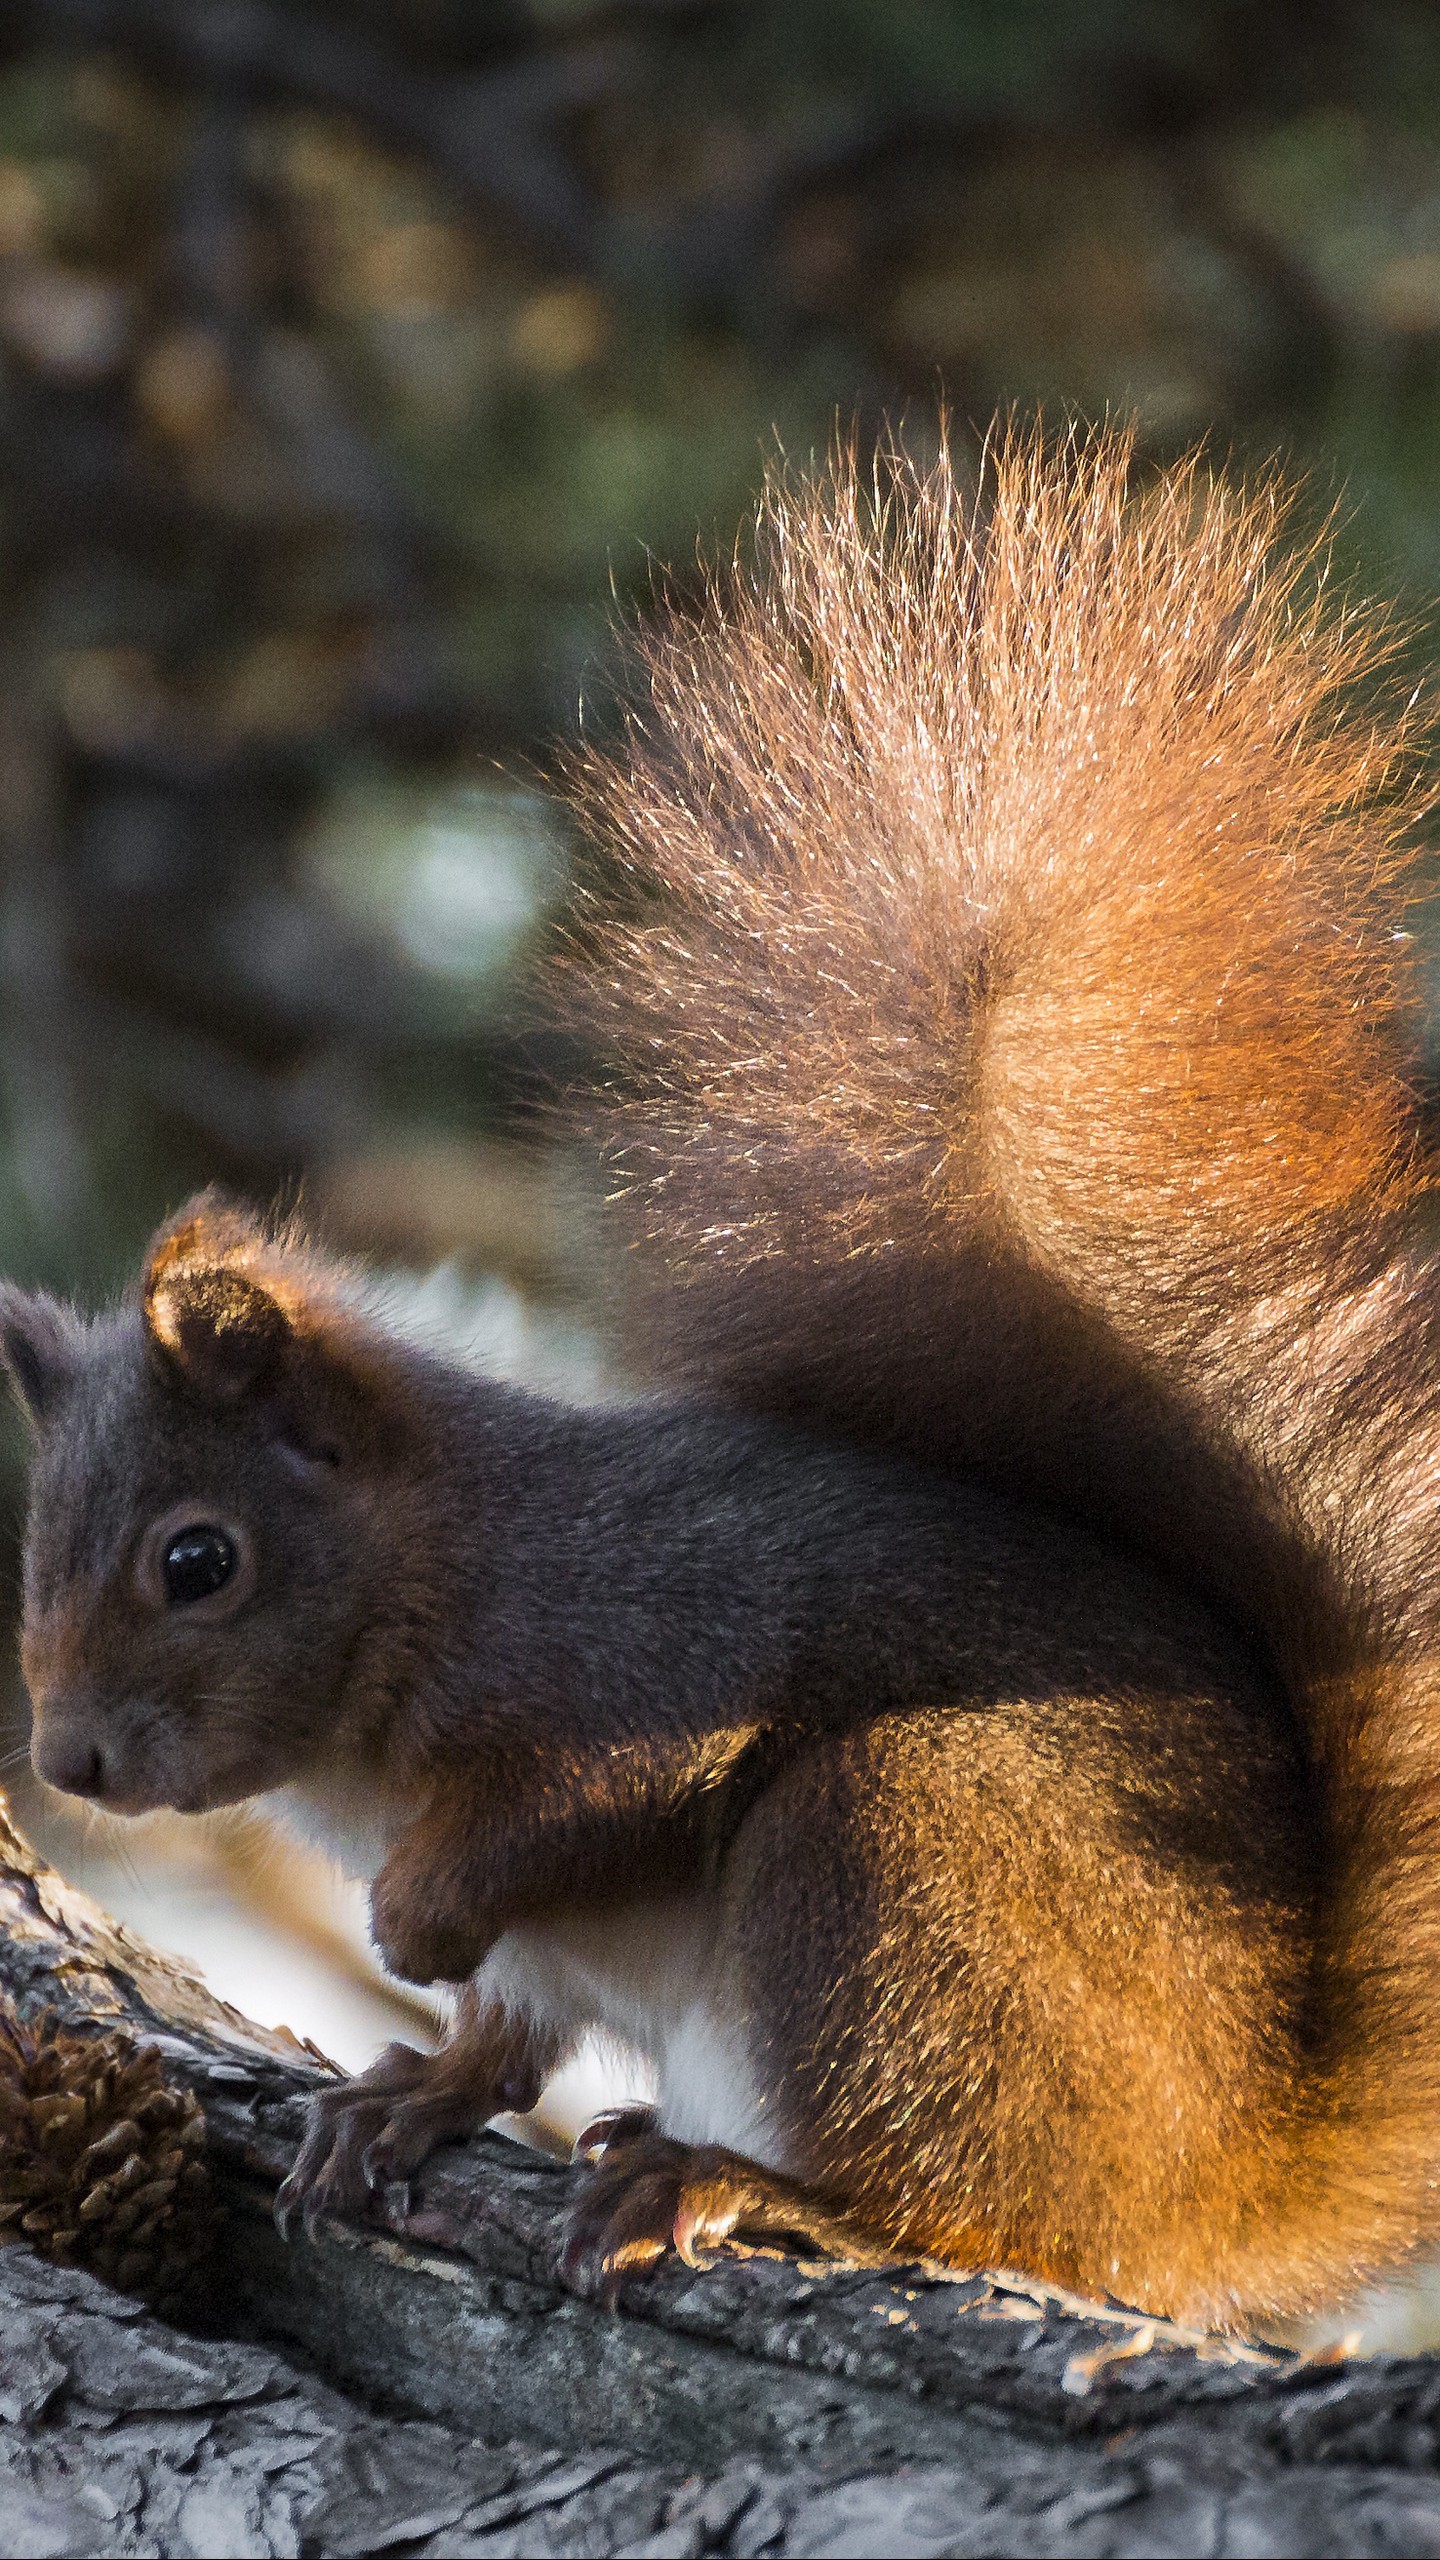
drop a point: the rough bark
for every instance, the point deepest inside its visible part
(424, 2384)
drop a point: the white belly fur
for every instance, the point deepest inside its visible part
(355, 1829)
(643, 1974)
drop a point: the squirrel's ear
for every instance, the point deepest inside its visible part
(37, 1349)
(212, 1311)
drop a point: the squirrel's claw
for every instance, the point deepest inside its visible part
(607, 2131)
(307, 2199)
(643, 2195)
(344, 2124)
(366, 2137)
(285, 2207)
(442, 2107)
(595, 2262)
(315, 2208)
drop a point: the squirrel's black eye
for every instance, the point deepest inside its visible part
(196, 1563)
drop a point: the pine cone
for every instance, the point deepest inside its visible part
(101, 2161)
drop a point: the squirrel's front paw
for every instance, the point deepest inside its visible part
(420, 1943)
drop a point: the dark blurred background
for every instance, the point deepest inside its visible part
(356, 355)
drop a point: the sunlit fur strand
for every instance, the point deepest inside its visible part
(1019, 1064)
(902, 713)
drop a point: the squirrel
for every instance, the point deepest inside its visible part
(976, 1726)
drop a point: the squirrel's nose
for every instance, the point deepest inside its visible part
(70, 1760)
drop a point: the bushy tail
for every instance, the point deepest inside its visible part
(990, 827)
(1013, 1047)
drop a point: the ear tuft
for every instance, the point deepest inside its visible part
(213, 1311)
(37, 1350)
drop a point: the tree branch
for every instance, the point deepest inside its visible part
(767, 2403)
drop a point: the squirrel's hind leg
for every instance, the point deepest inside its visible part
(374, 2131)
(644, 2195)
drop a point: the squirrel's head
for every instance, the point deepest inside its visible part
(201, 1555)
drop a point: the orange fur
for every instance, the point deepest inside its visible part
(1015, 1062)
